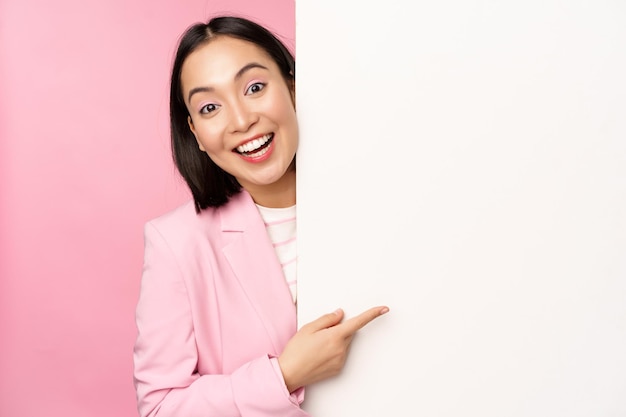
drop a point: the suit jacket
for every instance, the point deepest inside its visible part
(214, 311)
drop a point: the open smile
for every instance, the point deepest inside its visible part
(255, 148)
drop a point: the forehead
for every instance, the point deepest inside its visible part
(217, 61)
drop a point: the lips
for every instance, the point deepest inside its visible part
(255, 147)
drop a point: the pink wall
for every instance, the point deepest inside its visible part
(84, 162)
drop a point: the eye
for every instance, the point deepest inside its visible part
(255, 88)
(208, 108)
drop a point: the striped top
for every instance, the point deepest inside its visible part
(280, 224)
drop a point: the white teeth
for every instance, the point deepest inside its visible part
(259, 153)
(254, 144)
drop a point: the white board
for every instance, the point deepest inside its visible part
(464, 162)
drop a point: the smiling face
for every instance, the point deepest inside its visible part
(242, 115)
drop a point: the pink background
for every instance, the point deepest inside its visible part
(84, 162)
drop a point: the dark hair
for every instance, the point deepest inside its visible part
(210, 185)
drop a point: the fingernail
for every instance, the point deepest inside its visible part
(384, 310)
(338, 311)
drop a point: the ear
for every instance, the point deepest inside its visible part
(292, 88)
(193, 130)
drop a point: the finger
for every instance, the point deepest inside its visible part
(326, 321)
(352, 325)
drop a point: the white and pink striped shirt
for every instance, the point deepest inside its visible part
(280, 224)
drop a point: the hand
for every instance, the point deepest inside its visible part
(320, 348)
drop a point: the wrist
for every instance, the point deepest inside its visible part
(288, 376)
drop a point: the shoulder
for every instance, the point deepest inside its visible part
(183, 224)
(183, 215)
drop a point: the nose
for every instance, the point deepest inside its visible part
(242, 117)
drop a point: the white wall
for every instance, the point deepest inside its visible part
(464, 162)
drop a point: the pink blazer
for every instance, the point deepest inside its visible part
(214, 311)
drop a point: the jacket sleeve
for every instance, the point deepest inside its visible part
(165, 355)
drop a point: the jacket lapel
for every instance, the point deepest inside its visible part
(251, 255)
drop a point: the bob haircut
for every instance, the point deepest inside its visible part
(210, 185)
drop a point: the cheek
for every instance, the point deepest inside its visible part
(292, 123)
(287, 114)
(209, 137)
(280, 105)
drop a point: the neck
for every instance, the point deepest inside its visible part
(277, 195)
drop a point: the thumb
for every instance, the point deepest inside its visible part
(326, 321)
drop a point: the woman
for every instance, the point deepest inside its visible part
(216, 315)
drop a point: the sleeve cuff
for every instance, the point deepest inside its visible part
(298, 395)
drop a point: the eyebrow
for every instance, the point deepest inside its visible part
(239, 74)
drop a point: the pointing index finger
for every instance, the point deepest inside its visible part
(356, 323)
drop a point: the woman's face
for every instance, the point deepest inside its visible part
(242, 113)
